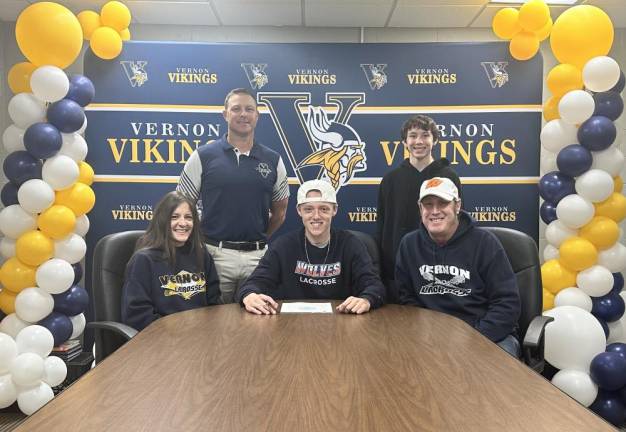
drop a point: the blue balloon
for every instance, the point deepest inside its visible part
(605, 326)
(71, 302)
(574, 160)
(78, 273)
(547, 211)
(608, 104)
(597, 133)
(59, 325)
(81, 90)
(66, 115)
(608, 370)
(622, 393)
(617, 347)
(617, 88)
(610, 407)
(609, 307)
(9, 194)
(618, 283)
(20, 166)
(554, 186)
(42, 140)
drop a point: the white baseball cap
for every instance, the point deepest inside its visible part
(442, 187)
(323, 187)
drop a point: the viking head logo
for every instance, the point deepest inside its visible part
(135, 72)
(256, 74)
(496, 72)
(339, 149)
(375, 74)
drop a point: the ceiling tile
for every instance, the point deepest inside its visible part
(486, 15)
(259, 12)
(169, 12)
(433, 16)
(350, 13)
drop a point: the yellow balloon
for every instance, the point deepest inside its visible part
(19, 77)
(85, 173)
(580, 34)
(505, 23)
(544, 32)
(80, 198)
(7, 301)
(602, 231)
(125, 34)
(34, 248)
(555, 277)
(618, 184)
(548, 300)
(534, 15)
(613, 207)
(106, 43)
(57, 221)
(524, 45)
(116, 15)
(89, 22)
(551, 109)
(564, 78)
(49, 34)
(15, 275)
(577, 253)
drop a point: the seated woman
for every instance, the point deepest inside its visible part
(171, 270)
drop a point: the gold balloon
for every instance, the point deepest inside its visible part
(80, 198)
(544, 32)
(564, 78)
(19, 77)
(524, 45)
(548, 300)
(125, 34)
(15, 275)
(618, 184)
(534, 15)
(602, 231)
(551, 109)
(49, 34)
(577, 253)
(580, 34)
(57, 221)
(34, 248)
(89, 22)
(555, 277)
(505, 23)
(7, 301)
(85, 173)
(106, 43)
(116, 15)
(613, 207)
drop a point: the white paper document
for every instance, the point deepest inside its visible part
(305, 307)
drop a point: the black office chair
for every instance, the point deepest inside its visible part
(523, 255)
(371, 246)
(110, 257)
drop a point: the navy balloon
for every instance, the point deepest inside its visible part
(66, 115)
(609, 307)
(610, 407)
(20, 166)
(59, 325)
(617, 347)
(608, 104)
(9, 194)
(547, 211)
(42, 140)
(78, 273)
(81, 90)
(617, 88)
(574, 160)
(72, 301)
(622, 393)
(618, 283)
(555, 186)
(597, 133)
(608, 370)
(605, 326)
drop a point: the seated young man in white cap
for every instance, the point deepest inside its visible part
(452, 266)
(314, 262)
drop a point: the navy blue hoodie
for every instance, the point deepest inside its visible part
(469, 277)
(153, 289)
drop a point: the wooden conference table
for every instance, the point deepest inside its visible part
(394, 369)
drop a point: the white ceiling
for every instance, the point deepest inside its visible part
(314, 13)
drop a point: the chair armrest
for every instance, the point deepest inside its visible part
(125, 331)
(533, 343)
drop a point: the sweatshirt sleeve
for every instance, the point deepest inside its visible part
(137, 307)
(380, 213)
(265, 277)
(212, 281)
(404, 284)
(366, 282)
(503, 310)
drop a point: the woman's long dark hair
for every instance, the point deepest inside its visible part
(159, 232)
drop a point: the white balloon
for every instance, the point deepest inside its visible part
(548, 162)
(8, 392)
(27, 369)
(574, 211)
(32, 399)
(8, 352)
(550, 252)
(557, 134)
(595, 185)
(74, 146)
(54, 371)
(12, 325)
(83, 128)
(13, 139)
(82, 225)
(613, 258)
(15, 221)
(55, 276)
(576, 106)
(78, 324)
(610, 160)
(71, 248)
(557, 232)
(600, 74)
(25, 109)
(60, 172)
(578, 385)
(35, 196)
(617, 331)
(595, 281)
(33, 304)
(35, 339)
(573, 297)
(49, 83)
(7, 247)
(573, 339)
